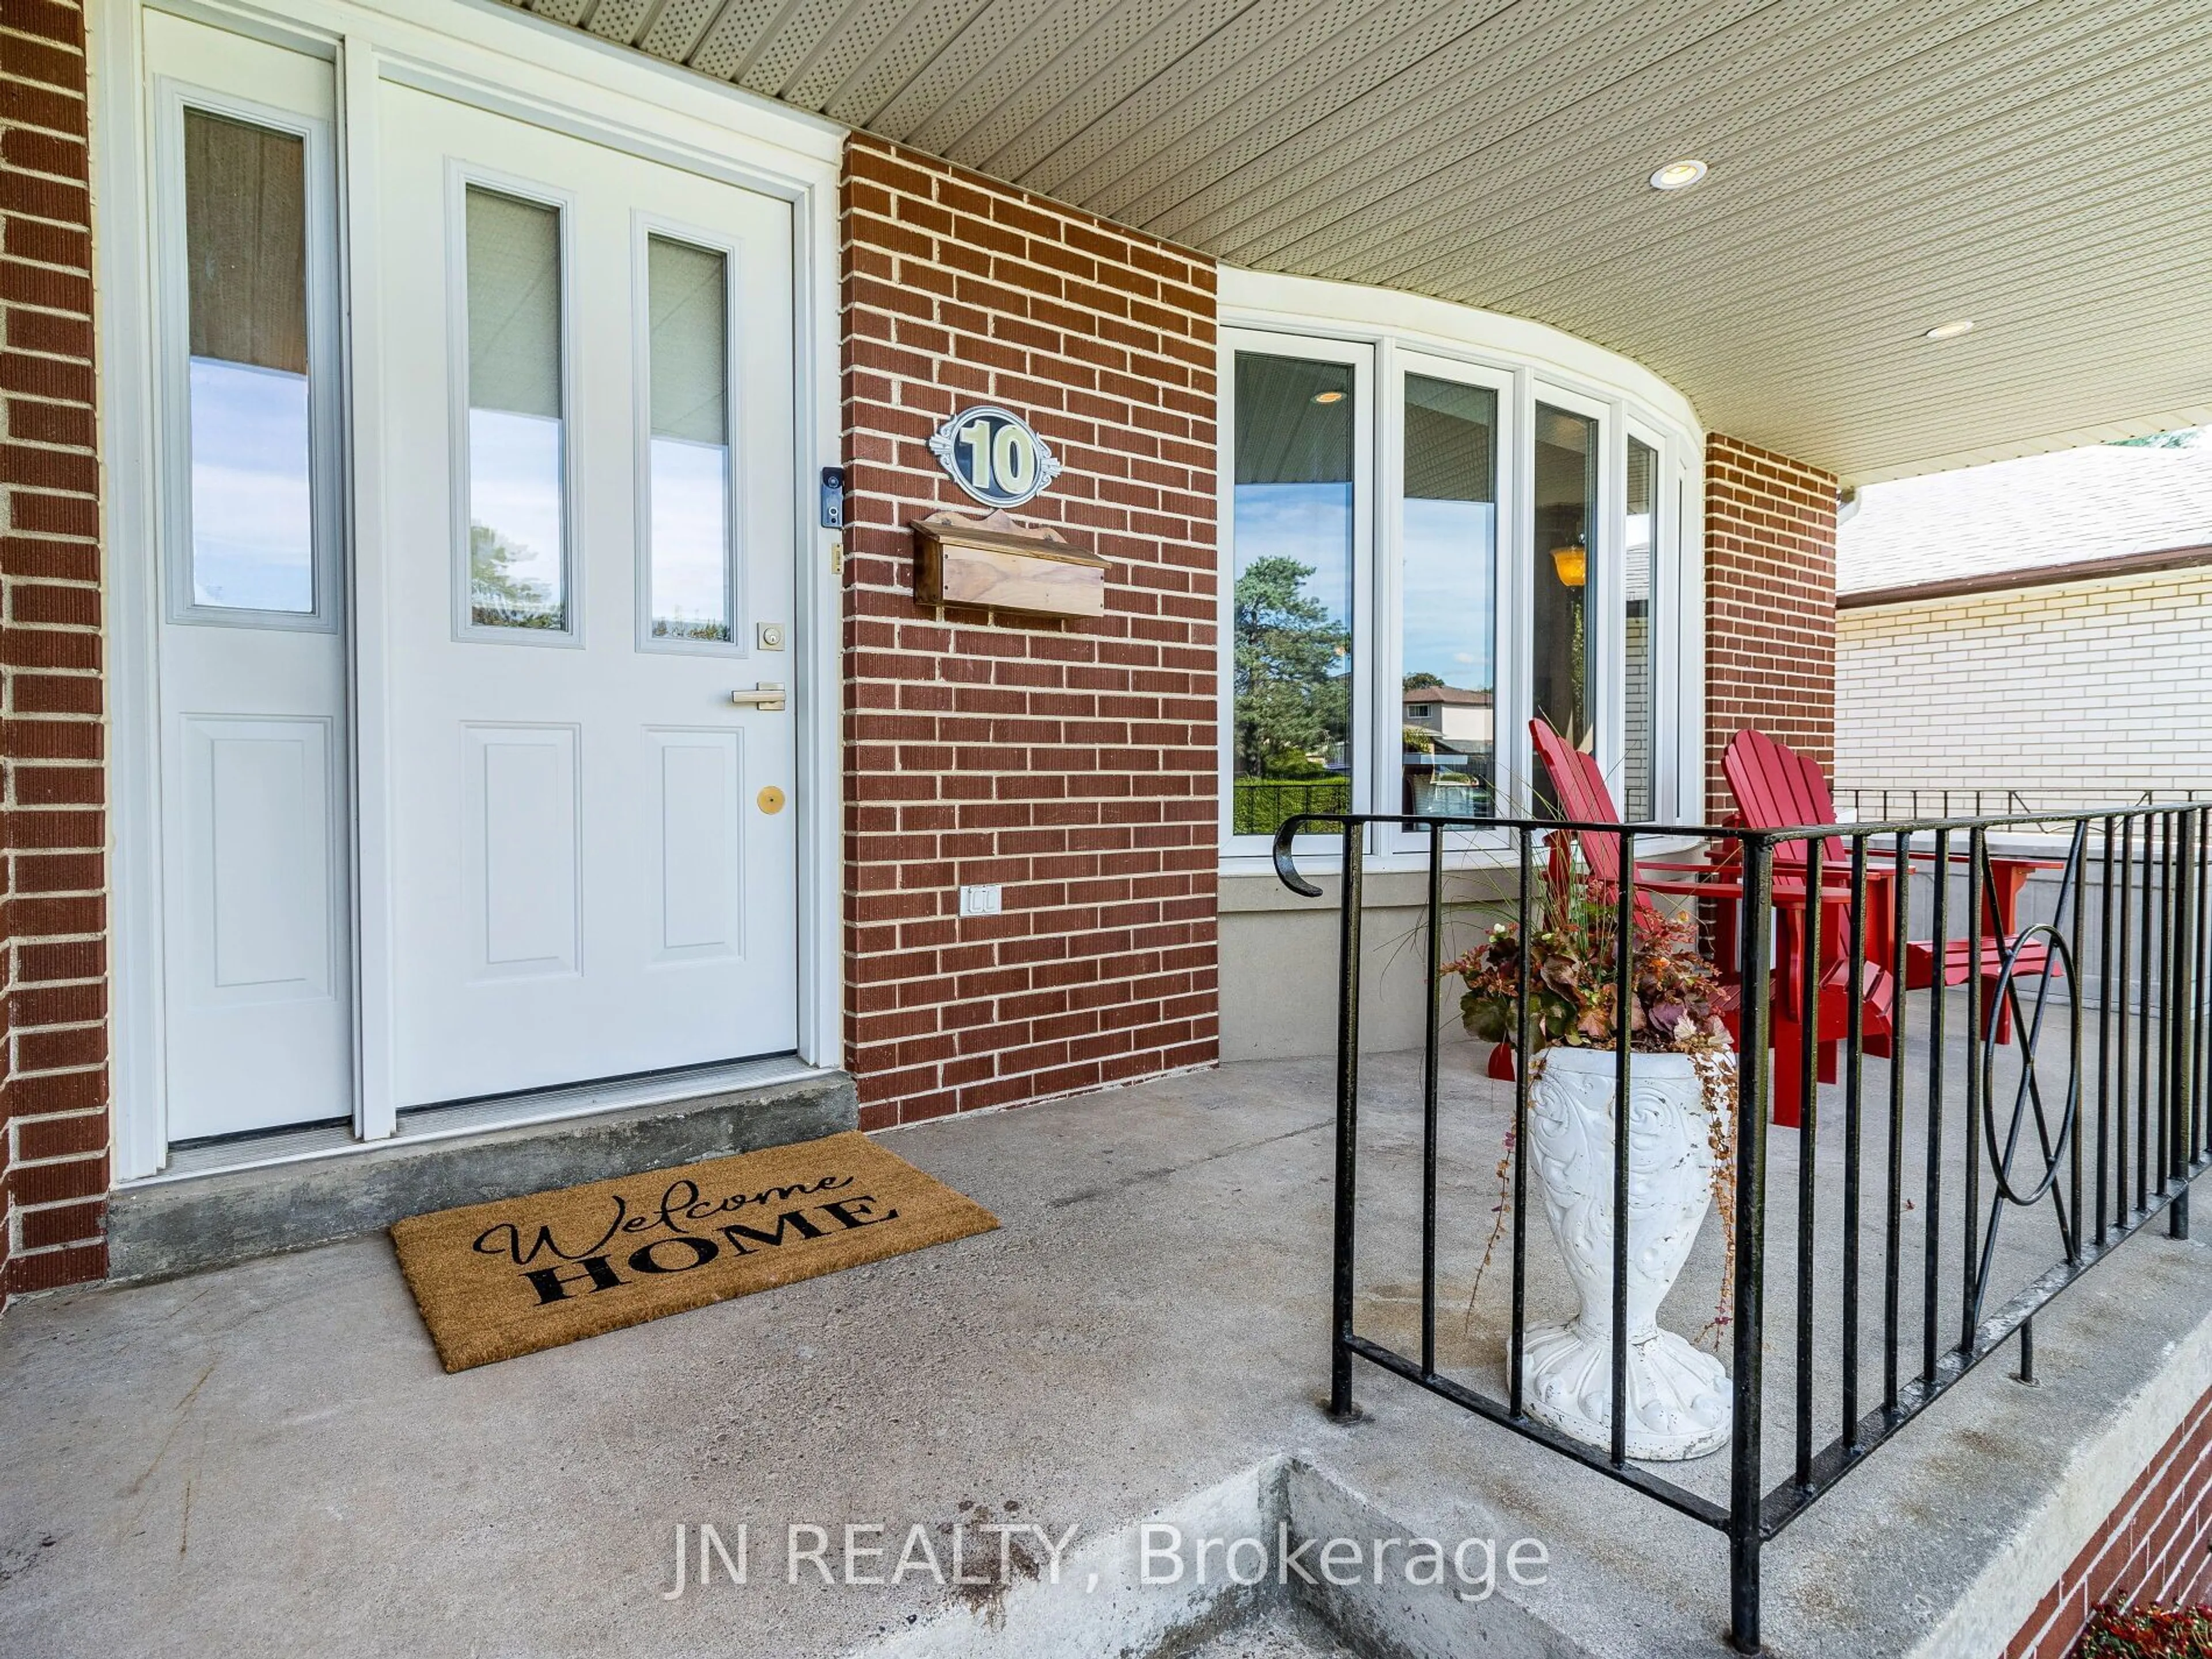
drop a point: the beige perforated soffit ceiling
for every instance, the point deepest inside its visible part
(1877, 169)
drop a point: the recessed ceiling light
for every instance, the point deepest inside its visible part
(1328, 396)
(1950, 331)
(1678, 175)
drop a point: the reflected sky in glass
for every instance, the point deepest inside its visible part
(1309, 522)
(1450, 598)
(691, 540)
(252, 508)
(516, 579)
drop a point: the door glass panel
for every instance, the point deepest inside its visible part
(1447, 628)
(689, 297)
(246, 246)
(1566, 514)
(518, 569)
(1639, 582)
(1292, 518)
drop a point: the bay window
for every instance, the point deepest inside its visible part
(1427, 548)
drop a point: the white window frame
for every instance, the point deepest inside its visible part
(1360, 725)
(1666, 663)
(172, 98)
(1543, 364)
(1681, 792)
(460, 176)
(1602, 586)
(644, 227)
(1390, 601)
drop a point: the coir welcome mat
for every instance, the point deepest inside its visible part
(495, 1280)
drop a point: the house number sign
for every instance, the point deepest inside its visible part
(993, 456)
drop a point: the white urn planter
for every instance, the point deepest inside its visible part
(1678, 1397)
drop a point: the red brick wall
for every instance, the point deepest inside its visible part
(1770, 605)
(2155, 1546)
(53, 1093)
(1074, 761)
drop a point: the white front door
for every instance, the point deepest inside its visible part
(589, 527)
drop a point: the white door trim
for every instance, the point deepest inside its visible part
(515, 64)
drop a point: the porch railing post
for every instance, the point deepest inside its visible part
(2181, 1108)
(1752, 1061)
(1431, 1036)
(1624, 929)
(1348, 1120)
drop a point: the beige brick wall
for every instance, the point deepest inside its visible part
(2073, 692)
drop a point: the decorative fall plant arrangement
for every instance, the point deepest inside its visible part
(1674, 996)
(2147, 1632)
(1572, 962)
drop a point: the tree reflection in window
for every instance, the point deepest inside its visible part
(1292, 660)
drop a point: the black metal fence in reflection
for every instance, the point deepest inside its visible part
(2085, 953)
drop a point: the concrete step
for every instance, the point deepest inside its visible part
(166, 1227)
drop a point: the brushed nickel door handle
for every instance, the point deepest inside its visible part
(768, 696)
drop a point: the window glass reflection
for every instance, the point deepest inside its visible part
(691, 540)
(690, 552)
(1565, 510)
(1640, 580)
(515, 575)
(252, 505)
(245, 245)
(1448, 622)
(518, 565)
(1292, 603)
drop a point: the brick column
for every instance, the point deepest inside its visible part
(54, 1094)
(1073, 761)
(1770, 605)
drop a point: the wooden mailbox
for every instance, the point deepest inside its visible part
(996, 564)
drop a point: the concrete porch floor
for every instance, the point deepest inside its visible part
(266, 1459)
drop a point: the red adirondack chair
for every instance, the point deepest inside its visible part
(1777, 789)
(1579, 785)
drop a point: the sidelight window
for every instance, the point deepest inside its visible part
(518, 564)
(689, 553)
(250, 486)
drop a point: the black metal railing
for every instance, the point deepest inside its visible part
(2049, 1051)
(1916, 801)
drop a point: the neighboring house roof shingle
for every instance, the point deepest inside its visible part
(1450, 693)
(2078, 506)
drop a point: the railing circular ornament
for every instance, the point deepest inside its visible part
(2060, 956)
(992, 454)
